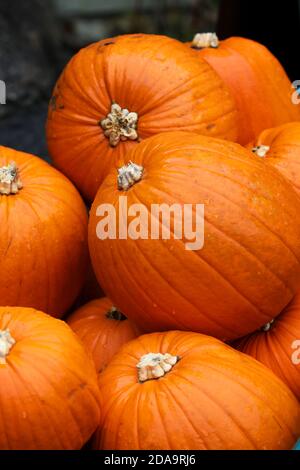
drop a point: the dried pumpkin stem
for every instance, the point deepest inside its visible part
(204, 40)
(115, 314)
(261, 150)
(128, 175)
(10, 182)
(6, 343)
(120, 125)
(268, 326)
(155, 365)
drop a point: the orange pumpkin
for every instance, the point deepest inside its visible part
(48, 385)
(187, 391)
(43, 240)
(277, 345)
(119, 91)
(102, 329)
(262, 90)
(248, 269)
(280, 147)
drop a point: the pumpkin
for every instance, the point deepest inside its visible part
(119, 91)
(277, 345)
(248, 269)
(186, 391)
(280, 147)
(103, 329)
(43, 239)
(48, 385)
(262, 90)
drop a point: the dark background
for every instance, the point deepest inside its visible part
(38, 37)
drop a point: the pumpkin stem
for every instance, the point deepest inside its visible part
(120, 125)
(204, 40)
(155, 365)
(261, 150)
(6, 343)
(267, 326)
(9, 179)
(115, 314)
(128, 175)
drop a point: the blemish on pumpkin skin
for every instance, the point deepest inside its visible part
(100, 48)
(210, 126)
(53, 104)
(75, 390)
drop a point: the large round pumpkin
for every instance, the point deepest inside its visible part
(277, 345)
(48, 385)
(119, 91)
(248, 269)
(256, 79)
(43, 240)
(103, 329)
(280, 147)
(186, 391)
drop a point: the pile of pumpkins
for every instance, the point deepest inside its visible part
(191, 349)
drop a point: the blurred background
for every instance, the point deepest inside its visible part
(38, 37)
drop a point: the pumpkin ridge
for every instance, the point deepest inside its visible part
(248, 252)
(119, 258)
(236, 241)
(166, 385)
(255, 217)
(75, 83)
(201, 259)
(140, 287)
(45, 254)
(279, 345)
(159, 413)
(39, 371)
(209, 366)
(214, 400)
(43, 410)
(173, 94)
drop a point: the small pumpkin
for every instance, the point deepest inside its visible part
(48, 385)
(256, 79)
(277, 345)
(43, 240)
(118, 91)
(187, 391)
(103, 329)
(248, 269)
(280, 147)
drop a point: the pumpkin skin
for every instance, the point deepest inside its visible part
(279, 346)
(284, 151)
(258, 82)
(43, 240)
(151, 75)
(248, 269)
(102, 331)
(213, 398)
(48, 385)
